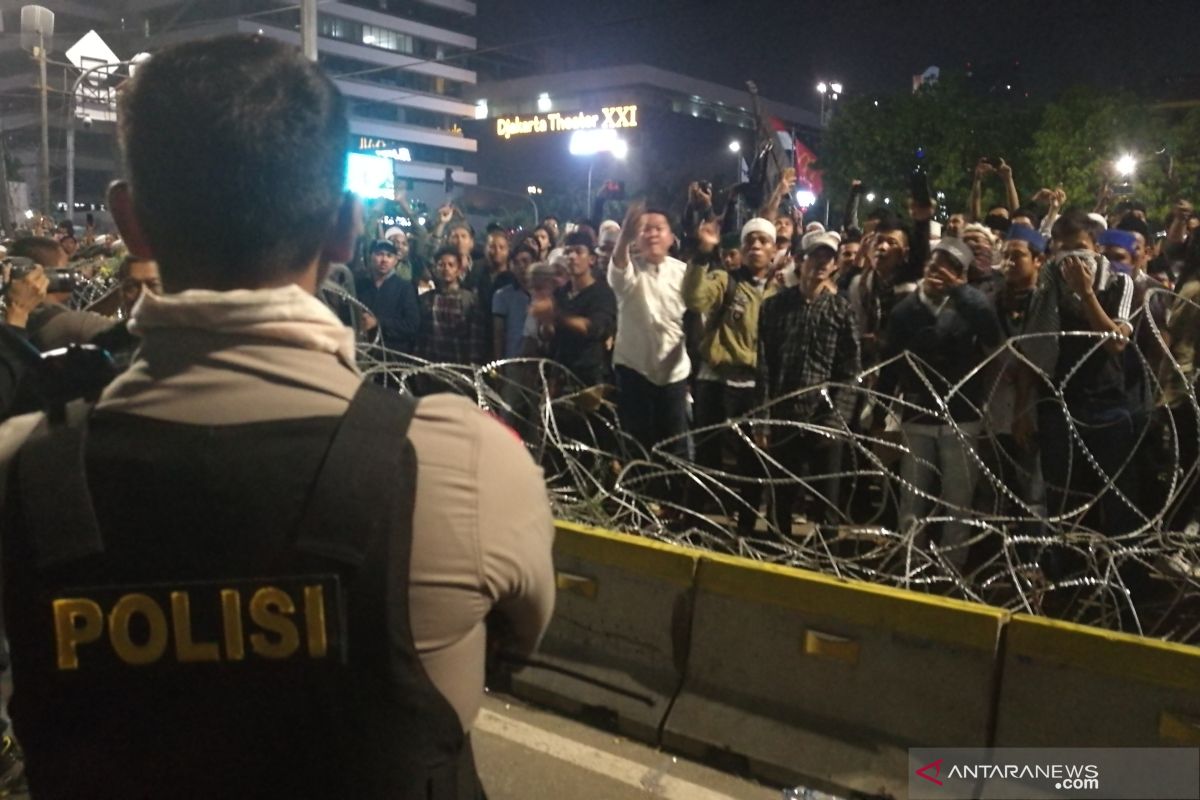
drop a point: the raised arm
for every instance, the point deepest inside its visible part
(1011, 199)
(444, 216)
(702, 289)
(630, 229)
(699, 207)
(850, 213)
(975, 200)
(770, 209)
(1055, 199)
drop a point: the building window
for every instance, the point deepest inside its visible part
(385, 39)
(333, 28)
(392, 79)
(420, 12)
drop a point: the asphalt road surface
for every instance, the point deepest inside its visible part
(523, 752)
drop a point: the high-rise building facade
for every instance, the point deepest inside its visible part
(402, 65)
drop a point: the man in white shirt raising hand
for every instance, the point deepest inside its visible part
(650, 358)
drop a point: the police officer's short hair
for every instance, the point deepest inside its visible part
(236, 154)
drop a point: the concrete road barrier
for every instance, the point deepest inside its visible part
(622, 619)
(802, 678)
(1067, 685)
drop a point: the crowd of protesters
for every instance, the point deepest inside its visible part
(898, 327)
(753, 350)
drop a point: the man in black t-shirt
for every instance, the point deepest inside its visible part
(583, 314)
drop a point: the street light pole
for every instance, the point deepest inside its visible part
(588, 200)
(37, 24)
(44, 166)
(6, 218)
(308, 28)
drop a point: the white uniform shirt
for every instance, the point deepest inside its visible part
(650, 310)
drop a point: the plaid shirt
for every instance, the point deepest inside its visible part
(802, 344)
(451, 327)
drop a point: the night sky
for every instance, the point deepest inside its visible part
(870, 45)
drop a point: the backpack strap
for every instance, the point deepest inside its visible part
(334, 525)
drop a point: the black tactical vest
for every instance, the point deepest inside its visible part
(222, 611)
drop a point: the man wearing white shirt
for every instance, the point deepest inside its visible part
(650, 358)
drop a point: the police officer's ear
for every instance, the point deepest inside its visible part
(339, 247)
(120, 203)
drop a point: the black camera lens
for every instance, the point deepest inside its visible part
(19, 267)
(64, 280)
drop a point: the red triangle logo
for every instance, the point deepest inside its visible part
(936, 766)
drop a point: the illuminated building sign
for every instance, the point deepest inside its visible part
(611, 117)
(383, 147)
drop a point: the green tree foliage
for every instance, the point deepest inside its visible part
(877, 143)
(1068, 142)
(1085, 131)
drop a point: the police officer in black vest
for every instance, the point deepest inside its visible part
(211, 610)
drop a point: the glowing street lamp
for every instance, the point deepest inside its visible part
(599, 140)
(832, 90)
(735, 147)
(543, 102)
(805, 198)
(593, 142)
(1126, 165)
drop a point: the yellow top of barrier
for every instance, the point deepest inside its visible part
(940, 619)
(1125, 656)
(954, 622)
(629, 552)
